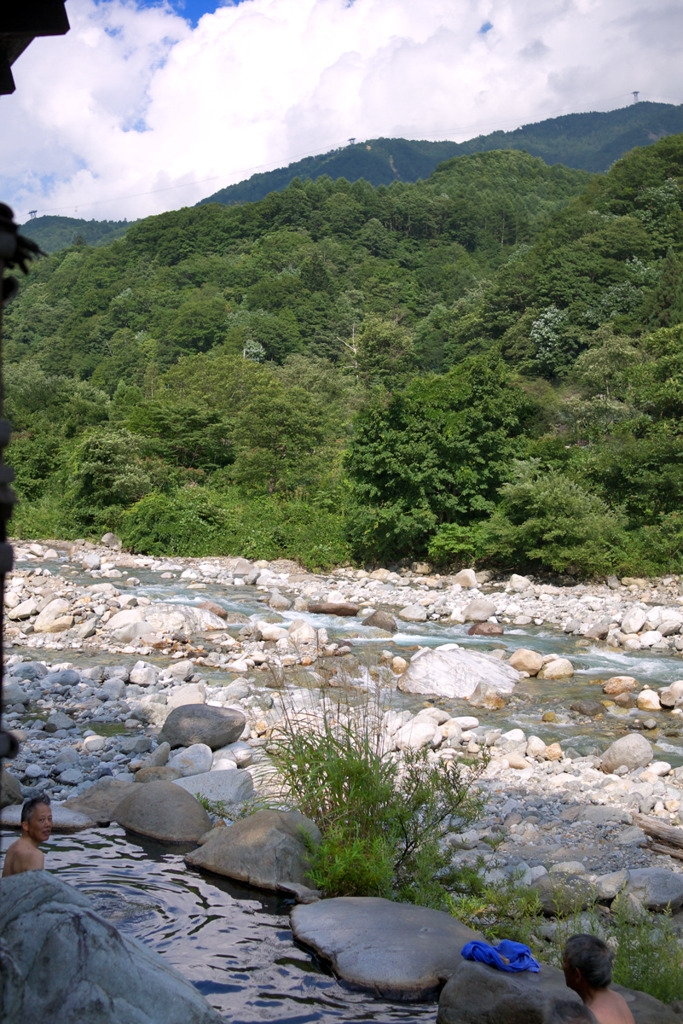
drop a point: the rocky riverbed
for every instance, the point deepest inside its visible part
(96, 663)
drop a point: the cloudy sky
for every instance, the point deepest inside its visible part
(149, 106)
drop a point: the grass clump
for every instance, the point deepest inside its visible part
(383, 817)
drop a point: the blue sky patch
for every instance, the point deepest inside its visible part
(486, 27)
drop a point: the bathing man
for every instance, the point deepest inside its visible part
(36, 825)
(587, 963)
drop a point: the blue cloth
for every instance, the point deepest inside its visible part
(506, 956)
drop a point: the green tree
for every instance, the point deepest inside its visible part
(433, 453)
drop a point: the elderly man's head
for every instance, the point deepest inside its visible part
(589, 958)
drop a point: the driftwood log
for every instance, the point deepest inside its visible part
(664, 833)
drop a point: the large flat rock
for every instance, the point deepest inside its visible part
(450, 671)
(394, 950)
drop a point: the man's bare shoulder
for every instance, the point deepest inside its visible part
(611, 1008)
(22, 856)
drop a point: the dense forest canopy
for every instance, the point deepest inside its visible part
(483, 367)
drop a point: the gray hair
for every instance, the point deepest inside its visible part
(592, 957)
(30, 805)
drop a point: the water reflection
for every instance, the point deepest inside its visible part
(232, 942)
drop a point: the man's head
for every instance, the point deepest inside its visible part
(36, 819)
(587, 961)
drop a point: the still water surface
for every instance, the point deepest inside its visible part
(233, 943)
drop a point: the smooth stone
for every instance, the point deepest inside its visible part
(193, 760)
(158, 773)
(526, 660)
(229, 786)
(479, 610)
(656, 888)
(405, 953)
(558, 668)
(486, 629)
(164, 811)
(267, 849)
(413, 613)
(631, 751)
(454, 672)
(382, 620)
(99, 801)
(10, 789)
(95, 973)
(201, 723)
(619, 684)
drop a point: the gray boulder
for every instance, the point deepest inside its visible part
(479, 994)
(631, 751)
(222, 785)
(163, 810)
(656, 888)
(394, 950)
(100, 800)
(479, 610)
(381, 620)
(10, 789)
(268, 849)
(95, 974)
(454, 672)
(202, 723)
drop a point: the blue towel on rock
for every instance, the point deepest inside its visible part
(506, 956)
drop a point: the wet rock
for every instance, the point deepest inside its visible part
(619, 684)
(648, 700)
(588, 708)
(406, 952)
(164, 811)
(526, 660)
(201, 723)
(96, 974)
(486, 629)
(344, 608)
(266, 849)
(557, 668)
(381, 620)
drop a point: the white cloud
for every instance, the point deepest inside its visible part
(134, 112)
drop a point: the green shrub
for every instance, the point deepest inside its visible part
(187, 522)
(649, 956)
(547, 521)
(382, 818)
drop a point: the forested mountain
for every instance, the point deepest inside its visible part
(588, 142)
(54, 233)
(486, 365)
